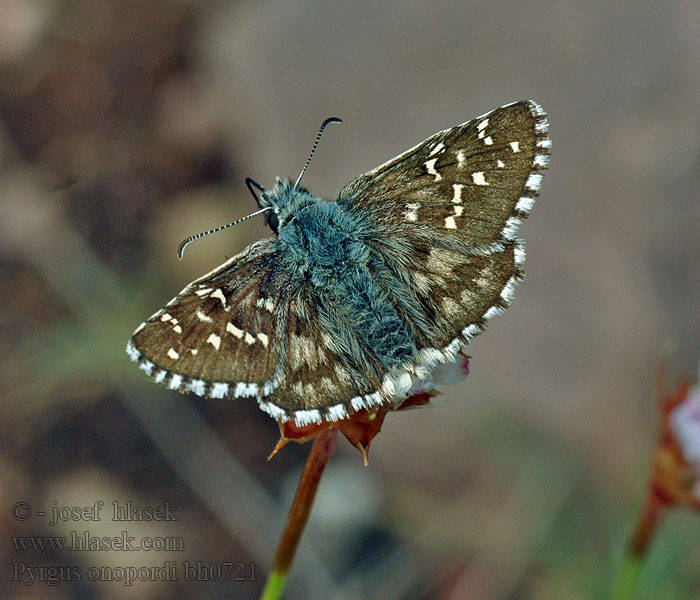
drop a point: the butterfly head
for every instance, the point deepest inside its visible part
(286, 200)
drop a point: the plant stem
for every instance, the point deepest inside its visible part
(631, 567)
(321, 453)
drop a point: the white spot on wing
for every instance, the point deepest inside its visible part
(307, 417)
(172, 354)
(508, 291)
(203, 291)
(214, 340)
(245, 390)
(177, 329)
(430, 166)
(411, 214)
(220, 295)
(249, 339)
(403, 384)
(302, 350)
(534, 181)
(388, 387)
(492, 312)
(511, 228)
(500, 163)
(219, 390)
(372, 399)
(197, 386)
(264, 339)
(479, 179)
(133, 353)
(525, 204)
(233, 330)
(461, 158)
(265, 303)
(202, 317)
(274, 411)
(450, 223)
(515, 146)
(358, 403)
(482, 125)
(487, 140)
(451, 307)
(147, 367)
(175, 382)
(166, 317)
(471, 330)
(437, 149)
(459, 210)
(457, 187)
(337, 412)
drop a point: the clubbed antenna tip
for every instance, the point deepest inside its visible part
(318, 139)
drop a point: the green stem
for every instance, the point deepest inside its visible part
(627, 577)
(630, 569)
(274, 586)
(299, 513)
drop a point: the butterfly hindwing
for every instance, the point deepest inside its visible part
(321, 376)
(446, 293)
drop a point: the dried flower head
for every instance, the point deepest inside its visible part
(676, 461)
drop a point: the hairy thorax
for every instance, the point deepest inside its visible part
(326, 247)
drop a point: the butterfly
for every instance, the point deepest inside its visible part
(353, 302)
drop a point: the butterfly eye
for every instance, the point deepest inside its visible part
(273, 221)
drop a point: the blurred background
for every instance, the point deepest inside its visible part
(126, 126)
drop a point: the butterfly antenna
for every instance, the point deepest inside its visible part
(318, 139)
(192, 238)
(251, 183)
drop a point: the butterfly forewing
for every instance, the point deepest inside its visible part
(222, 330)
(473, 183)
